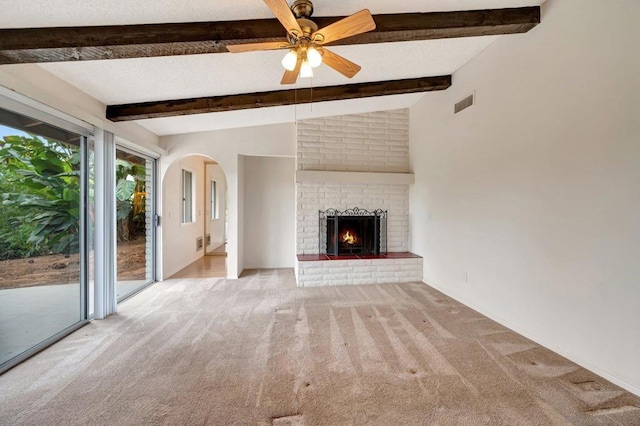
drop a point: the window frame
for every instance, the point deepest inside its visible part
(214, 200)
(188, 203)
(16, 104)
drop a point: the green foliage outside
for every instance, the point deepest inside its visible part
(40, 197)
(40, 187)
(130, 199)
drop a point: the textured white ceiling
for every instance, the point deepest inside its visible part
(179, 77)
(285, 114)
(48, 13)
(175, 77)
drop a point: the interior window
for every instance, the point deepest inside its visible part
(187, 196)
(214, 200)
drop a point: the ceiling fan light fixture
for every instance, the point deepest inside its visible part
(305, 70)
(314, 57)
(290, 60)
(306, 41)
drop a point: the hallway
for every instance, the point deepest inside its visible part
(209, 266)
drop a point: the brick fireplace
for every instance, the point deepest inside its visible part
(354, 161)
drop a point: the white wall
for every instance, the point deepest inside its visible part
(215, 227)
(240, 214)
(227, 147)
(269, 212)
(533, 192)
(180, 238)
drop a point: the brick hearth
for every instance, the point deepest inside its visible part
(340, 271)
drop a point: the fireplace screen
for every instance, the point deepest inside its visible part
(353, 232)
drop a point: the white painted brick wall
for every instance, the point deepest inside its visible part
(369, 142)
(353, 272)
(311, 198)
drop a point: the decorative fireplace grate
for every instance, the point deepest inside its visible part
(353, 231)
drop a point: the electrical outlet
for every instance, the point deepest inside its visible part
(465, 277)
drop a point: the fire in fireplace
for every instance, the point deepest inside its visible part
(353, 232)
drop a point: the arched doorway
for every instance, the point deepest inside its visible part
(194, 194)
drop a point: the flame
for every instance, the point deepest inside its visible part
(349, 239)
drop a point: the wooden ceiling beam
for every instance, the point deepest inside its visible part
(60, 44)
(172, 108)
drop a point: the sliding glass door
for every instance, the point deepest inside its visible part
(44, 213)
(134, 217)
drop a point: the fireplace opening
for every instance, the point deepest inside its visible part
(355, 235)
(353, 232)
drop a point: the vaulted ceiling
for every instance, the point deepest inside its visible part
(425, 51)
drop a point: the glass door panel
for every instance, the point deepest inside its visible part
(134, 217)
(42, 267)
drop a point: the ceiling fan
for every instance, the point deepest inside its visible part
(306, 42)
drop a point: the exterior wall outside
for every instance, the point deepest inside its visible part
(526, 204)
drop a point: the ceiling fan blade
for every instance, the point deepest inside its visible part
(251, 47)
(340, 64)
(358, 23)
(290, 77)
(281, 10)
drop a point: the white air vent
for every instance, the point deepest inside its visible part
(199, 242)
(463, 104)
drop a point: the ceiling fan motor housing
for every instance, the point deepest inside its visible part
(307, 26)
(302, 8)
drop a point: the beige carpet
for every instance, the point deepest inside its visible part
(258, 351)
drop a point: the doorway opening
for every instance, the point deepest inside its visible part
(194, 222)
(215, 223)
